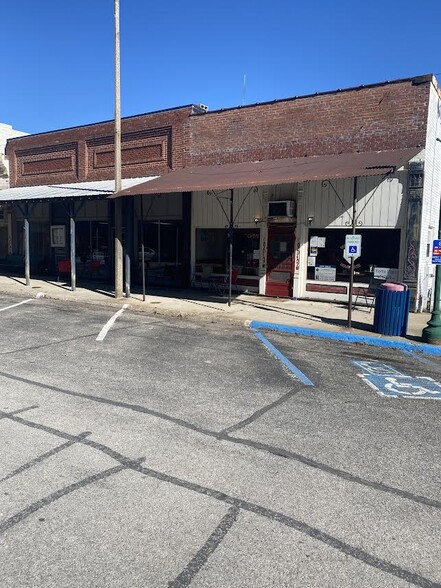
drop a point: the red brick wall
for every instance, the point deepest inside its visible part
(152, 144)
(379, 117)
(372, 118)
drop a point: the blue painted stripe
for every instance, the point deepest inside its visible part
(298, 374)
(350, 338)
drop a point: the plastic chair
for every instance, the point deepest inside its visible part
(95, 266)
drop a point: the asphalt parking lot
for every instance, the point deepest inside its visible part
(151, 451)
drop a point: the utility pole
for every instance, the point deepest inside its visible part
(118, 201)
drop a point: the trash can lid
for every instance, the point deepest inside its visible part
(393, 286)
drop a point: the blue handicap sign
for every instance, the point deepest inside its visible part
(436, 252)
(387, 381)
(353, 248)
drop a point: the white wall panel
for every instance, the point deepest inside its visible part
(380, 202)
(210, 211)
(431, 200)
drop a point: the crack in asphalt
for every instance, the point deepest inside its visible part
(214, 540)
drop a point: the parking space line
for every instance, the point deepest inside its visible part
(39, 295)
(17, 304)
(110, 322)
(292, 368)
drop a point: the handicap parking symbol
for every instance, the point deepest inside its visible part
(352, 248)
(390, 382)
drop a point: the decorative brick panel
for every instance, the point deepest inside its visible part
(129, 156)
(55, 162)
(147, 148)
(48, 166)
(152, 144)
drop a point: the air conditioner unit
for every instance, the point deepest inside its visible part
(281, 208)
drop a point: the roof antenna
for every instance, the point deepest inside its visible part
(244, 89)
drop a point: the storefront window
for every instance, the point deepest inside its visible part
(212, 250)
(379, 251)
(162, 250)
(92, 249)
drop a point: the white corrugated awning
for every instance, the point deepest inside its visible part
(102, 188)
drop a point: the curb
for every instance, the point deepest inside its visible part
(348, 338)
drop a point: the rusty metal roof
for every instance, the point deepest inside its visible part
(278, 171)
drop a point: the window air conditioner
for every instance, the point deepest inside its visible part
(281, 208)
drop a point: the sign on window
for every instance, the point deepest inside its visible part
(58, 236)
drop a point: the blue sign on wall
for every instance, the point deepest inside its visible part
(387, 381)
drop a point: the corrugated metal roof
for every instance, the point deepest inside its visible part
(278, 171)
(77, 190)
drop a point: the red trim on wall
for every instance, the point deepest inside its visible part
(326, 288)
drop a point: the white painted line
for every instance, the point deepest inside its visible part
(110, 322)
(18, 304)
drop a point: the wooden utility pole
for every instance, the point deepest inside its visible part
(118, 202)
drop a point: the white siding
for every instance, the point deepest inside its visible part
(431, 201)
(248, 204)
(210, 211)
(380, 202)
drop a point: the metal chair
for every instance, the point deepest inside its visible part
(368, 293)
(221, 285)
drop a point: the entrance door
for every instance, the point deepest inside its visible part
(280, 262)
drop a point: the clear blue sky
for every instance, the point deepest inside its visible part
(57, 55)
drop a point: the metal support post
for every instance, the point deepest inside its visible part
(118, 249)
(230, 247)
(73, 267)
(142, 248)
(351, 280)
(27, 246)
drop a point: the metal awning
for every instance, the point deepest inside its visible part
(273, 172)
(102, 188)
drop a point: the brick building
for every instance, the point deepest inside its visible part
(281, 174)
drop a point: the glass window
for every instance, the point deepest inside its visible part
(212, 249)
(379, 248)
(161, 241)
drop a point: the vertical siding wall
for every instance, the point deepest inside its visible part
(380, 202)
(431, 201)
(248, 204)
(208, 213)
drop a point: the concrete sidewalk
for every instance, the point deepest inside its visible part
(201, 305)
